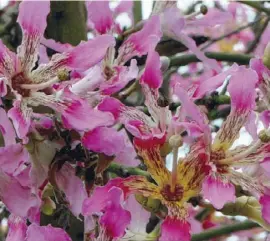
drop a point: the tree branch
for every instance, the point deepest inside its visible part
(137, 11)
(257, 6)
(228, 57)
(225, 230)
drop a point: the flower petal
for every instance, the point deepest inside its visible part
(152, 75)
(73, 188)
(115, 227)
(32, 18)
(174, 229)
(16, 228)
(8, 61)
(20, 115)
(100, 16)
(6, 128)
(12, 156)
(77, 58)
(217, 191)
(103, 139)
(141, 42)
(46, 233)
(18, 200)
(242, 92)
(265, 118)
(265, 202)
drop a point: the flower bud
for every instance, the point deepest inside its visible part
(203, 9)
(266, 56)
(264, 136)
(48, 206)
(175, 141)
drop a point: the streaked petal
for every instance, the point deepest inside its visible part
(32, 19)
(217, 191)
(20, 115)
(104, 139)
(175, 229)
(73, 188)
(81, 57)
(46, 233)
(8, 61)
(16, 228)
(100, 16)
(242, 92)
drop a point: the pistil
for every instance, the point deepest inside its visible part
(175, 142)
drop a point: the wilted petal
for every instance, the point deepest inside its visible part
(265, 202)
(18, 200)
(12, 156)
(152, 75)
(104, 139)
(32, 18)
(100, 16)
(6, 128)
(20, 115)
(46, 233)
(217, 191)
(8, 61)
(174, 229)
(114, 226)
(141, 42)
(16, 228)
(81, 57)
(73, 188)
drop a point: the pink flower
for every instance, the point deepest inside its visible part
(17, 70)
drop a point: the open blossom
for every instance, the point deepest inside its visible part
(18, 72)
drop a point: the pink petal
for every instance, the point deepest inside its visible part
(173, 229)
(16, 228)
(81, 57)
(20, 115)
(43, 56)
(111, 105)
(3, 87)
(12, 156)
(56, 46)
(6, 128)
(32, 18)
(115, 226)
(18, 200)
(265, 164)
(123, 76)
(139, 216)
(259, 67)
(218, 192)
(152, 75)
(242, 89)
(265, 202)
(127, 156)
(46, 233)
(73, 188)
(100, 15)
(265, 118)
(86, 54)
(123, 7)
(103, 139)
(106, 195)
(251, 126)
(211, 84)
(8, 61)
(141, 42)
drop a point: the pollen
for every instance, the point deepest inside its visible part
(174, 196)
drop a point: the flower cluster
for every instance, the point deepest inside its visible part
(87, 133)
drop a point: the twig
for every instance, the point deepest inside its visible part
(257, 6)
(225, 230)
(137, 11)
(228, 57)
(257, 38)
(230, 33)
